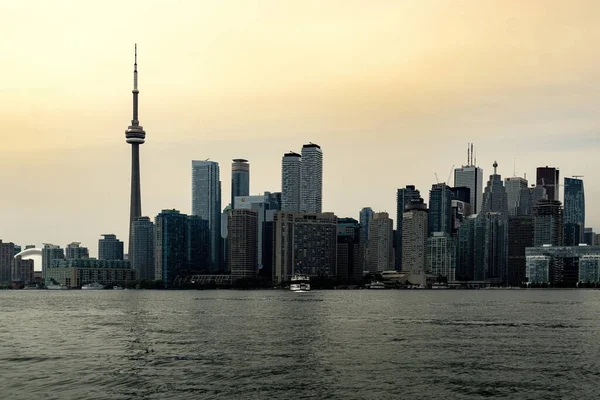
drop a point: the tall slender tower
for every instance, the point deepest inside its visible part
(135, 136)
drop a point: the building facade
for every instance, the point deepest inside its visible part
(22, 270)
(304, 244)
(381, 243)
(494, 197)
(441, 256)
(414, 237)
(7, 252)
(520, 237)
(50, 252)
(548, 216)
(75, 251)
(491, 248)
(240, 178)
(514, 186)
(110, 248)
(561, 266)
(171, 246)
(440, 209)
(403, 197)
(349, 251)
(472, 177)
(74, 273)
(197, 245)
(574, 212)
(291, 166)
(365, 217)
(548, 178)
(142, 248)
(243, 243)
(311, 179)
(206, 203)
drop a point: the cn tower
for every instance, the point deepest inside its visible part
(135, 136)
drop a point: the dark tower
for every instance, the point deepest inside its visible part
(135, 136)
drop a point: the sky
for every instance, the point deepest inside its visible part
(392, 91)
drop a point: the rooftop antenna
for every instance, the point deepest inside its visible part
(472, 155)
(468, 155)
(514, 166)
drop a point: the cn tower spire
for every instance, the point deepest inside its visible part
(135, 136)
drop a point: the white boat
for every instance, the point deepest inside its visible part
(118, 287)
(93, 286)
(300, 283)
(439, 285)
(52, 286)
(377, 285)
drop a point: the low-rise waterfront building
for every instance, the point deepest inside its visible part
(74, 273)
(562, 265)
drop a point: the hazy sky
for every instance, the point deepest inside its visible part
(391, 90)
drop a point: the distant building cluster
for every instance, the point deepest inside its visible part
(503, 233)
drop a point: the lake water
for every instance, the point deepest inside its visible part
(224, 344)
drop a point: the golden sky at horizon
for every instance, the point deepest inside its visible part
(383, 86)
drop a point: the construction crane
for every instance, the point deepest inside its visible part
(436, 177)
(450, 175)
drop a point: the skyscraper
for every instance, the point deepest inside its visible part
(520, 237)
(414, 237)
(291, 165)
(548, 178)
(574, 212)
(243, 243)
(403, 197)
(111, 248)
(465, 254)
(494, 196)
(206, 203)
(548, 228)
(240, 178)
(349, 251)
(311, 179)
(365, 217)
(141, 251)
(440, 209)
(381, 245)
(198, 245)
(472, 177)
(514, 188)
(491, 247)
(441, 256)
(135, 135)
(171, 246)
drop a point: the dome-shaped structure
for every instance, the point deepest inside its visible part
(32, 254)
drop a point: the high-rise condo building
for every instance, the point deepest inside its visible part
(514, 188)
(349, 251)
(304, 244)
(311, 179)
(111, 248)
(548, 228)
(491, 247)
(465, 252)
(548, 178)
(171, 246)
(7, 252)
(142, 249)
(240, 178)
(403, 198)
(365, 217)
(441, 256)
(291, 165)
(135, 136)
(21, 270)
(381, 245)
(520, 237)
(574, 212)
(197, 245)
(206, 203)
(50, 252)
(414, 237)
(75, 251)
(440, 209)
(243, 243)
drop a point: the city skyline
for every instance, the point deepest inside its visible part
(49, 107)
